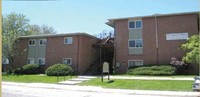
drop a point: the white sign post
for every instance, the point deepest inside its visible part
(105, 67)
(106, 70)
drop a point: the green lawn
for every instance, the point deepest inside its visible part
(172, 76)
(168, 85)
(32, 78)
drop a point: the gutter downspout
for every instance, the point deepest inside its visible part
(156, 29)
(77, 65)
(115, 59)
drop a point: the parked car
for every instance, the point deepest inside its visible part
(196, 84)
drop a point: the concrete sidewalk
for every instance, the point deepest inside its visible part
(80, 79)
(149, 78)
(75, 81)
(103, 90)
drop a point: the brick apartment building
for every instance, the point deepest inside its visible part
(74, 49)
(138, 41)
(151, 39)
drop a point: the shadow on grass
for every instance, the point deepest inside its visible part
(110, 81)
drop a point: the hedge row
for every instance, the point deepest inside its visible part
(28, 69)
(57, 69)
(152, 70)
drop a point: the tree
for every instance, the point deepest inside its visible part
(13, 26)
(39, 30)
(34, 29)
(192, 49)
(47, 30)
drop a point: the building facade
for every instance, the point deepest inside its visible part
(152, 39)
(138, 41)
(74, 49)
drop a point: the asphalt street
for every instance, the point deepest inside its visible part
(23, 91)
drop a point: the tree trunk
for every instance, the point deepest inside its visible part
(11, 63)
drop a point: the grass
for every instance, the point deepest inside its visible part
(172, 76)
(163, 85)
(33, 78)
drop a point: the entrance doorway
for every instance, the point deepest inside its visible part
(105, 53)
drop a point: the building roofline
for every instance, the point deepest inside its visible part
(58, 35)
(111, 21)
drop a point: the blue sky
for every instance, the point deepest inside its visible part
(68, 16)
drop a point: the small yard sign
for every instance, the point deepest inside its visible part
(105, 67)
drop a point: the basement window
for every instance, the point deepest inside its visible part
(30, 61)
(132, 63)
(41, 61)
(5, 61)
(67, 61)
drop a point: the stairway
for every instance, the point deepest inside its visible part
(94, 69)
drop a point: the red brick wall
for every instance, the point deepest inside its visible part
(21, 60)
(87, 54)
(56, 50)
(166, 50)
(121, 42)
(168, 24)
(80, 51)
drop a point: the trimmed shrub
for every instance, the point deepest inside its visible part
(30, 69)
(18, 71)
(152, 70)
(59, 69)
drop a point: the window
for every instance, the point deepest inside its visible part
(31, 42)
(5, 61)
(30, 61)
(138, 24)
(132, 24)
(135, 43)
(132, 63)
(135, 24)
(68, 40)
(41, 61)
(42, 42)
(67, 61)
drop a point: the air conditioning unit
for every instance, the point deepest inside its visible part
(196, 84)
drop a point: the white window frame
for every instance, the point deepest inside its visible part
(42, 63)
(31, 40)
(31, 59)
(135, 24)
(42, 43)
(135, 62)
(5, 61)
(68, 39)
(67, 59)
(135, 43)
